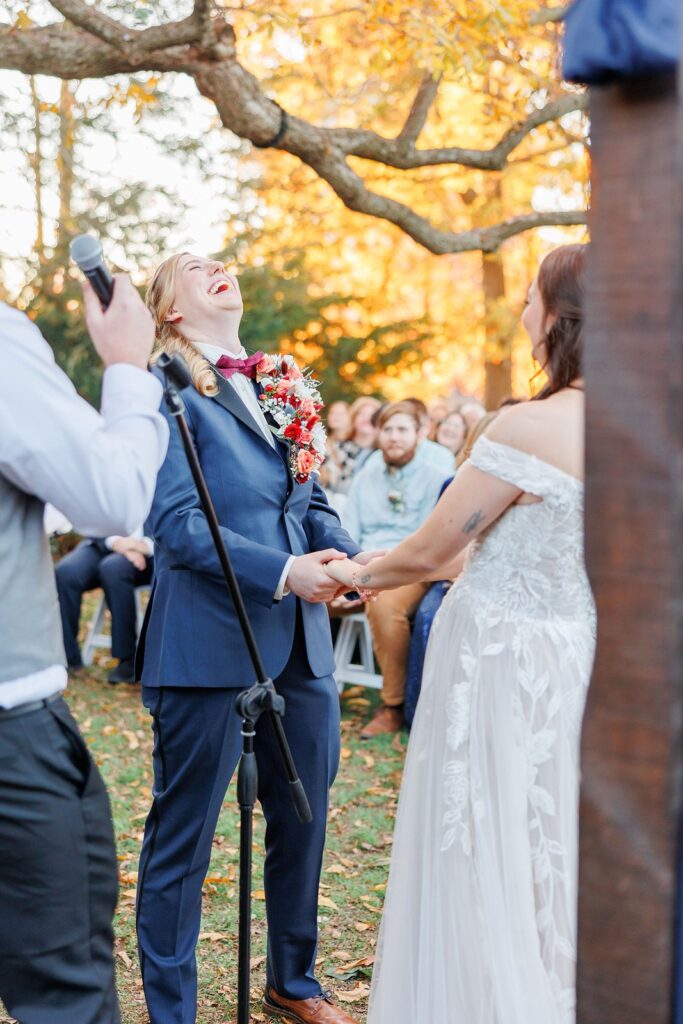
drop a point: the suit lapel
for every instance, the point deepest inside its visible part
(230, 400)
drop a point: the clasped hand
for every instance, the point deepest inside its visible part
(321, 576)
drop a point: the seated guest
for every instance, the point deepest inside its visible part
(389, 498)
(472, 411)
(437, 411)
(419, 638)
(118, 565)
(428, 451)
(340, 456)
(362, 439)
(451, 432)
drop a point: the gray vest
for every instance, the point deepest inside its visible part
(30, 625)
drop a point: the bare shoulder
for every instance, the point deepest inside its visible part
(518, 426)
(551, 429)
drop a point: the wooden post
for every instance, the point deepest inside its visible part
(634, 535)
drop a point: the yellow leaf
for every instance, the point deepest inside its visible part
(325, 901)
(133, 741)
(259, 894)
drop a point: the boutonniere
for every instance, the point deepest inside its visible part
(293, 400)
(396, 501)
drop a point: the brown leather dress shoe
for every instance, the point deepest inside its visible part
(318, 1010)
(384, 720)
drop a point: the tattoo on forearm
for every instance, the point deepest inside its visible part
(364, 579)
(473, 522)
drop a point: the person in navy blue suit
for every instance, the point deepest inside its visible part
(193, 662)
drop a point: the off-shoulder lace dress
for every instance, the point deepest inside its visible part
(480, 916)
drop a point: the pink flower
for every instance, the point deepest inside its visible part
(307, 408)
(282, 388)
(304, 463)
(266, 366)
(292, 370)
(305, 436)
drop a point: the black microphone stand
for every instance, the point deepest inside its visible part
(251, 703)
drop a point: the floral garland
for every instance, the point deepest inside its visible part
(293, 400)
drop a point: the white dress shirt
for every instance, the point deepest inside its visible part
(99, 469)
(242, 385)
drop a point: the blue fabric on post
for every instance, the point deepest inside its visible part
(610, 39)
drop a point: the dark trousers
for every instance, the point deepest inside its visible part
(58, 874)
(92, 565)
(197, 746)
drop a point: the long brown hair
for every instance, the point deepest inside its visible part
(168, 338)
(561, 285)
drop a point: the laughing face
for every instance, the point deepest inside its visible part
(204, 291)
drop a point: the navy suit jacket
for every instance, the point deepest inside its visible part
(191, 635)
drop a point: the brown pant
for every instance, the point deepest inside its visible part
(389, 619)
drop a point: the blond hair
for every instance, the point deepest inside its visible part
(473, 436)
(168, 338)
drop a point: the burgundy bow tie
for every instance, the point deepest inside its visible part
(227, 366)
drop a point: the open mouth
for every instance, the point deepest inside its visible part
(219, 286)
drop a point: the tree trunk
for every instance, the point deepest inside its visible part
(498, 359)
(65, 168)
(36, 162)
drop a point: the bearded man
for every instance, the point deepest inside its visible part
(389, 499)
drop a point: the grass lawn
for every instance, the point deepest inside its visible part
(117, 728)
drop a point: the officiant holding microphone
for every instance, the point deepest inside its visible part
(255, 426)
(58, 868)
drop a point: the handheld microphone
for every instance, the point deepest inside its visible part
(86, 251)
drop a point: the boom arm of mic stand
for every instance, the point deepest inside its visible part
(262, 696)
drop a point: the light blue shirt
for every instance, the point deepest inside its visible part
(385, 505)
(434, 454)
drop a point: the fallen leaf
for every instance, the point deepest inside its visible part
(360, 926)
(133, 741)
(213, 937)
(259, 894)
(355, 995)
(325, 901)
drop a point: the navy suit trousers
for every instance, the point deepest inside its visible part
(197, 746)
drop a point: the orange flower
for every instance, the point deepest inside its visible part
(304, 463)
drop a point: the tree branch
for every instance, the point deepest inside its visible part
(415, 122)
(205, 49)
(371, 146)
(91, 20)
(137, 42)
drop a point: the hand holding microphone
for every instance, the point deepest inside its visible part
(119, 323)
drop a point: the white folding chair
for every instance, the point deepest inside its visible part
(354, 634)
(96, 638)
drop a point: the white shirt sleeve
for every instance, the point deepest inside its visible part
(281, 587)
(98, 469)
(138, 534)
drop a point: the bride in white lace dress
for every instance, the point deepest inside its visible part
(479, 924)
